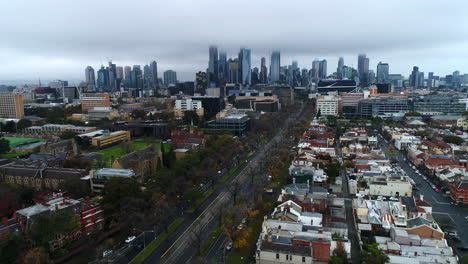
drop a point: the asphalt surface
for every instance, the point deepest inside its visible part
(443, 211)
(352, 232)
(183, 247)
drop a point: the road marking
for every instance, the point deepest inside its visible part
(433, 197)
(455, 223)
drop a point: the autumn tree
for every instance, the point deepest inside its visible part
(339, 255)
(36, 255)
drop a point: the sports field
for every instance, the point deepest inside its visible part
(15, 141)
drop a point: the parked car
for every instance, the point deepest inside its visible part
(106, 253)
(436, 189)
(130, 239)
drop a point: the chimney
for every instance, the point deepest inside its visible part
(421, 197)
(5, 222)
(269, 238)
(308, 182)
(294, 180)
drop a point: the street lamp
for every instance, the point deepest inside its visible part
(144, 235)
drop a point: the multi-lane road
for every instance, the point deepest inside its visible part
(184, 246)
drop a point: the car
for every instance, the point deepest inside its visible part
(229, 246)
(244, 220)
(456, 239)
(130, 239)
(106, 253)
(436, 190)
(393, 199)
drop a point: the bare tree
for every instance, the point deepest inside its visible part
(234, 188)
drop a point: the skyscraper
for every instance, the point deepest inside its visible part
(323, 69)
(154, 74)
(339, 70)
(233, 71)
(212, 65)
(275, 63)
(315, 69)
(263, 71)
(112, 71)
(136, 77)
(170, 77)
(90, 76)
(119, 71)
(127, 72)
(363, 69)
(246, 67)
(222, 68)
(103, 78)
(414, 77)
(382, 72)
(147, 76)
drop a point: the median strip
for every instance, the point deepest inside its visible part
(146, 252)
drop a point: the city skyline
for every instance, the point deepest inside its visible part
(51, 50)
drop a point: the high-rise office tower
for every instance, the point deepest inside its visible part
(11, 106)
(222, 68)
(112, 76)
(363, 69)
(246, 67)
(382, 72)
(170, 77)
(119, 75)
(414, 77)
(154, 74)
(147, 76)
(213, 65)
(275, 64)
(233, 71)
(136, 77)
(263, 71)
(90, 76)
(255, 76)
(339, 70)
(103, 79)
(315, 69)
(127, 75)
(323, 69)
(421, 79)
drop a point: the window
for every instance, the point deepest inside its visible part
(277, 256)
(303, 259)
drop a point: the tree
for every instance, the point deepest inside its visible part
(232, 99)
(319, 113)
(4, 146)
(234, 188)
(339, 255)
(55, 115)
(127, 147)
(191, 117)
(414, 113)
(454, 139)
(76, 187)
(36, 256)
(138, 114)
(67, 135)
(116, 192)
(9, 126)
(371, 253)
(23, 123)
(10, 248)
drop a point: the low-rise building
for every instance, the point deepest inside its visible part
(98, 178)
(143, 162)
(182, 105)
(329, 105)
(102, 138)
(459, 191)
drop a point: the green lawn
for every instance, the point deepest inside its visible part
(210, 240)
(145, 253)
(15, 141)
(117, 151)
(11, 155)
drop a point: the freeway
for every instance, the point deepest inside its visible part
(453, 216)
(183, 249)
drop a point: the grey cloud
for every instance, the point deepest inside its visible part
(57, 39)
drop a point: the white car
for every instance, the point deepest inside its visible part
(106, 253)
(130, 239)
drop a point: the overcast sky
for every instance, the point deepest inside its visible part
(57, 39)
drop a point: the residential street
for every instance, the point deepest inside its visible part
(443, 211)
